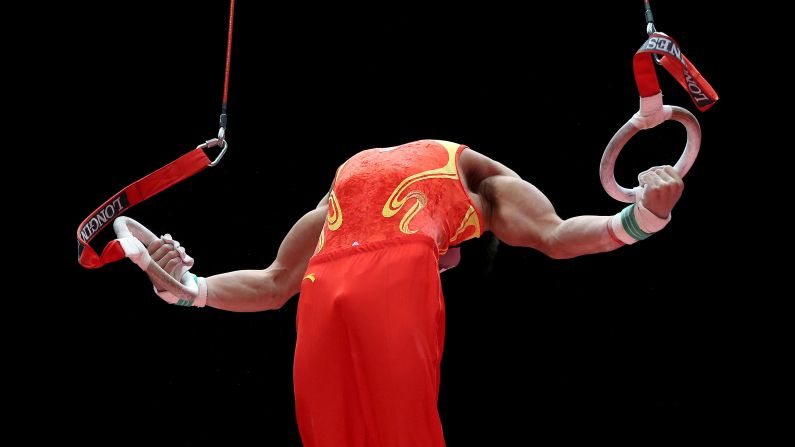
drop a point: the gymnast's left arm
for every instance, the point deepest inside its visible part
(521, 215)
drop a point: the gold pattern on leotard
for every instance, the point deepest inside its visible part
(334, 217)
(470, 219)
(394, 204)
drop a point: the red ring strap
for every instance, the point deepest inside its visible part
(165, 177)
(675, 62)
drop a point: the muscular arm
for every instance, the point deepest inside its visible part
(519, 214)
(270, 288)
(256, 290)
(522, 215)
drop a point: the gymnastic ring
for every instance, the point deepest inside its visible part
(627, 131)
(126, 227)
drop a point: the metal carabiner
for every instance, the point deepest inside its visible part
(220, 142)
(224, 146)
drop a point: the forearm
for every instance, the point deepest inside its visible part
(247, 291)
(581, 235)
(256, 290)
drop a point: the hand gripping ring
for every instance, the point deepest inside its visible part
(627, 131)
(129, 228)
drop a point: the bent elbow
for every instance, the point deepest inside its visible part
(553, 248)
(281, 286)
(269, 292)
(556, 252)
(278, 301)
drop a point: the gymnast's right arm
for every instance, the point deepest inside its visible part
(258, 290)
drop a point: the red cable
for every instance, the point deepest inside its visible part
(228, 55)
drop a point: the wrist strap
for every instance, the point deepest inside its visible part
(648, 221)
(191, 281)
(635, 223)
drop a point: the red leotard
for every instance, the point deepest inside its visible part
(371, 311)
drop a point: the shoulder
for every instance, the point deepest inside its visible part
(476, 167)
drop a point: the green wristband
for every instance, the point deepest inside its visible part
(630, 224)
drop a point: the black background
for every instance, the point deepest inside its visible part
(653, 343)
